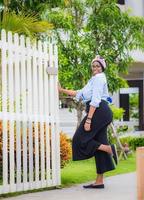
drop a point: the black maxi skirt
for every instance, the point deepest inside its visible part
(85, 143)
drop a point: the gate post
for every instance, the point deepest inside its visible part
(140, 173)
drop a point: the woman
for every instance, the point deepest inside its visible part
(90, 139)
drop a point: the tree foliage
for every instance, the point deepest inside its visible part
(94, 27)
(28, 25)
(18, 16)
(86, 28)
(74, 59)
(113, 35)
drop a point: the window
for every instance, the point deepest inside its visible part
(122, 2)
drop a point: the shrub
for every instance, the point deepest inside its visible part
(111, 138)
(117, 115)
(133, 142)
(65, 146)
(136, 142)
(117, 112)
(126, 140)
(65, 149)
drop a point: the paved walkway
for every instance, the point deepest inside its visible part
(120, 187)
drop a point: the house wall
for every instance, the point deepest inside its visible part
(136, 6)
(136, 71)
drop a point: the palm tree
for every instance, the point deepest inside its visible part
(22, 23)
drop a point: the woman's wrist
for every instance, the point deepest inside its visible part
(88, 121)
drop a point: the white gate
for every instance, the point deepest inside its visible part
(29, 123)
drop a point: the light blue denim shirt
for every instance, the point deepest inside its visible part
(95, 90)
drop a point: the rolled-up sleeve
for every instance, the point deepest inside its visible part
(78, 96)
(97, 90)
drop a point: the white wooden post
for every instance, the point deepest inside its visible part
(40, 86)
(58, 176)
(29, 112)
(35, 111)
(47, 111)
(11, 110)
(23, 102)
(140, 172)
(4, 112)
(52, 115)
(17, 111)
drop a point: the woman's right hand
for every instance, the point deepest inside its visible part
(65, 91)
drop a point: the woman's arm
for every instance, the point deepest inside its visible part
(68, 92)
(95, 101)
(91, 112)
(87, 125)
(65, 91)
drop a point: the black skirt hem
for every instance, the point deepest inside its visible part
(78, 159)
(104, 171)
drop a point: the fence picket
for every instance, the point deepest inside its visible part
(46, 109)
(41, 112)
(4, 111)
(23, 108)
(17, 110)
(29, 112)
(56, 116)
(52, 113)
(11, 110)
(35, 111)
(30, 125)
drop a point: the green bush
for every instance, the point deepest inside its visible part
(126, 140)
(111, 138)
(122, 129)
(117, 115)
(136, 142)
(133, 142)
(117, 112)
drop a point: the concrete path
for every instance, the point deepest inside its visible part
(120, 187)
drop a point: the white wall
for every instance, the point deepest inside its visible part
(137, 7)
(68, 121)
(115, 98)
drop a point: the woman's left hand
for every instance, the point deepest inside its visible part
(87, 126)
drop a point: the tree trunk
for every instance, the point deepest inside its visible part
(79, 109)
(118, 142)
(79, 117)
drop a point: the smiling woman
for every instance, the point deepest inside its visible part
(90, 138)
(98, 65)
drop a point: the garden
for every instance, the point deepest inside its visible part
(81, 30)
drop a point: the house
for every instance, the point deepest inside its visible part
(125, 97)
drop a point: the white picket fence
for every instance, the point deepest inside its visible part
(29, 135)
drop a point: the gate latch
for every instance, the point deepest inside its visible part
(52, 70)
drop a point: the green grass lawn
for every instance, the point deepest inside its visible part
(84, 171)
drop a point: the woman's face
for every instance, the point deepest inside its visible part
(96, 68)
